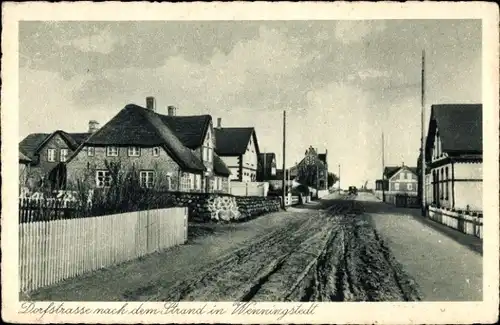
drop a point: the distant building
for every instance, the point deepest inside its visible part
(47, 153)
(313, 169)
(454, 157)
(239, 149)
(398, 180)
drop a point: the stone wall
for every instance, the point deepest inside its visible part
(205, 207)
(253, 206)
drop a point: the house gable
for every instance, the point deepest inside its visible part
(250, 157)
(404, 174)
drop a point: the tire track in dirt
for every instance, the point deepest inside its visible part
(229, 279)
(333, 255)
(152, 291)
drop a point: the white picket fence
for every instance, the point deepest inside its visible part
(52, 251)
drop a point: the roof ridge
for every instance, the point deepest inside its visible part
(148, 114)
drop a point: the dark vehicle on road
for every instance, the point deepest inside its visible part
(353, 190)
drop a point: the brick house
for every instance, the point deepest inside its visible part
(47, 153)
(170, 152)
(239, 149)
(317, 165)
(454, 156)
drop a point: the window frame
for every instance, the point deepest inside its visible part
(409, 187)
(90, 151)
(51, 158)
(66, 150)
(396, 186)
(156, 154)
(131, 151)
(107, 178)
(147, 179)
(108, 151)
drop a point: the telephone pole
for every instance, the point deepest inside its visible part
(284, 150)
(422, 145)
(383, 168)
(339, 179)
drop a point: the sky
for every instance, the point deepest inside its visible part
(341, 83)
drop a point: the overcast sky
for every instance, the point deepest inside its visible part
(341, 82)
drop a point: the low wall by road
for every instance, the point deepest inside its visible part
(468, 223)
(249, 188)
(205, 207)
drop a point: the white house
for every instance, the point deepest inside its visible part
(239, 149)
(453, 151)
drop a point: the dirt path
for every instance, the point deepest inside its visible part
(334, 255)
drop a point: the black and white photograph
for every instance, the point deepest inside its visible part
(262, 162)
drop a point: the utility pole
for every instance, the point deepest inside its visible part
(422, 145)
(339, 179)
(383, 167)
(284, 151)
(264, 174)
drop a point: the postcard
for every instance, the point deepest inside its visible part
(250, 162)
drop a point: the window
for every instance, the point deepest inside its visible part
(134, 151)
(168, 182)
(192, 181)
(408, 175)
(447, 188)
(402, 176)
(197, 179)
(90, 151)
(441, 185)
(103, 178)
(51, 155)
(204, 153)
(273, 171)
(112, 151)
(396, 186)
(156, 151)
(184, 182)
(147, 178)
(409, 186)
(63, 155)
(210, 154)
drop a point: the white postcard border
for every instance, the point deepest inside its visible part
(346, 313)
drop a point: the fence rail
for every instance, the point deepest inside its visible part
(51, 251)
(463, 222)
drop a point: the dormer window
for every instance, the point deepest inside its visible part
(112, 151)
(51, 155)
(156, 151)
(63, 155)
(134, 151)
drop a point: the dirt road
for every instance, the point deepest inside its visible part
(331, 254)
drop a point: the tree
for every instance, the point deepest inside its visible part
(307, 174)
(332, 179)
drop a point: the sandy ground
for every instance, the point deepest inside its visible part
(333, 250)
(445, 263)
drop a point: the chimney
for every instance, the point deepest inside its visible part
(93, 126)
(171, 110)
(219, 122)
(151, 103)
